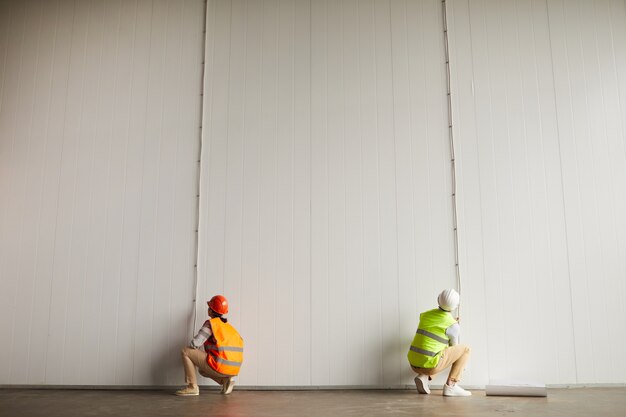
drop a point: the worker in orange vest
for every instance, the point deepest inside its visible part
(221, 355)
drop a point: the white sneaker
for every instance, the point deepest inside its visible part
(455, 391)
(421, 382)
(228, 386)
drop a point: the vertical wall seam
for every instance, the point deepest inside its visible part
(261, 74)
(18, 84)
(80, 126)
(495, 180)
(561, 170)
(622, 128)
(143, 162)
(227, 139)
(358, 12)
(479, 185)
(427, 129)
(410, 119)
(174, 174)
(276, 163)
(525, 143)
(395, 170)
(310, 157)
(9, 24)
(29, 154)
(56, 222)
(293, 181)
(108, 188)
(610, 167)
(545, 181)
(93, 158)
(326, 174)
(86, 249)
(158, 174)
(243, 156)
(4, 58)
(46, 138)
(377, 137)
(130, 100)
(343, 168)
(70, 234)
(513, 233)
(580, 196)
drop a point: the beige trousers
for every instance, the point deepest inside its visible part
(193, 358)
(456, 355)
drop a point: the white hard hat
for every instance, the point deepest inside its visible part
(448, 299)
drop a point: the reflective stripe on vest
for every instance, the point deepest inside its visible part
(224, 361)
(224, 348)
(423, 352)
(430, 338)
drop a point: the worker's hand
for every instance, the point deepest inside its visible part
(458, 319)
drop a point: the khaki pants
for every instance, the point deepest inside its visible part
(456, 355)
(193, 358)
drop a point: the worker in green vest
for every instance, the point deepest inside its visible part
(435, 347)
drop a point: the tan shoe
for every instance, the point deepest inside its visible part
(228, 386)
(188, 391)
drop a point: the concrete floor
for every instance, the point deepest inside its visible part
(583, 402)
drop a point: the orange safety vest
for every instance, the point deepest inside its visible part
(224, 348)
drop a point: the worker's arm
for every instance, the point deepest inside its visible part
(203, 334)
(453, 333)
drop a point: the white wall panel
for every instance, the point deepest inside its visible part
(99, 117)
(325, 209)
(538, 122)
(325, 189)
(589, 75)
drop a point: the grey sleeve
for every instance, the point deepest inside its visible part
(453, 333)
(203, 334)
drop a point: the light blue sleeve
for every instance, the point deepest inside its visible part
(453, 333)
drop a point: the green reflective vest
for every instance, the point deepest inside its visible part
(430, 339)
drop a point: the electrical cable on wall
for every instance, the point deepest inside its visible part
(202, 83)
(452, 154)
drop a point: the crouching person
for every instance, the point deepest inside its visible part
(217, 351)
(435, 347)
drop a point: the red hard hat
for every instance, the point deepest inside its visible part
(219, 304)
